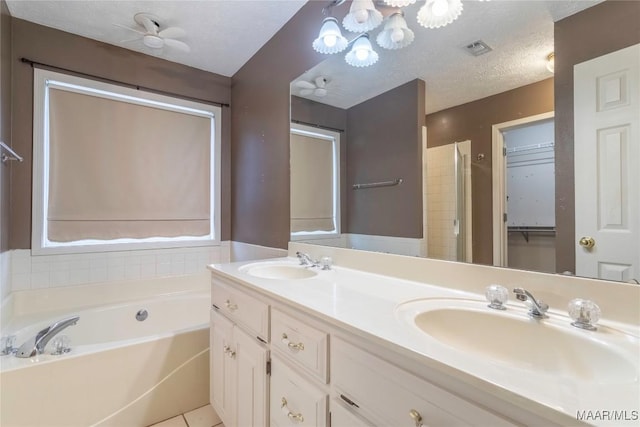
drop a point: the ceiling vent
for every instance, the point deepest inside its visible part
(478, 48)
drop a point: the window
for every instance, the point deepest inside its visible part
(315, 182)
(115, 168)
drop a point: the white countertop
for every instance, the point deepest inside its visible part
(366, 304)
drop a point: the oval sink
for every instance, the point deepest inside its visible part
(281, 271)
(513, 338)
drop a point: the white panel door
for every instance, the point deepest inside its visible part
(607, 164)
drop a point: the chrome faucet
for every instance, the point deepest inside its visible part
(537, 309)
(305, 259)
(35, 345)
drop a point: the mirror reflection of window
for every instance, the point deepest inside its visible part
(315, 192)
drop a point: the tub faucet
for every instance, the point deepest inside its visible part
(537, 308)
(35, 345)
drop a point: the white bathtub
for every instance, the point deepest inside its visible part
(121, 371)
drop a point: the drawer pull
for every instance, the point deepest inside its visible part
(293, 346)
(230, 306)
(229, 352)
(292, 415)
(417, 418)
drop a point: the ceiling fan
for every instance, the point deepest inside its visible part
(317, 87)
(153, 36)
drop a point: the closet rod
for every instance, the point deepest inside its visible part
(120, 83)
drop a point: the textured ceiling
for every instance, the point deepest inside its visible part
(222, 34)
(519, 32)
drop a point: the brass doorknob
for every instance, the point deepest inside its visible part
(587, 242)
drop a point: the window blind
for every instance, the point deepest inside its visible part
(124, 170)
(311, 184)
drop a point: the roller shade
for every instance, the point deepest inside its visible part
(124, 170)
(311, 184)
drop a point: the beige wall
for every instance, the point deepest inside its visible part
(65, 50)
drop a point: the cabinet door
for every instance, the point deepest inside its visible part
(222, 367)
(251, 379)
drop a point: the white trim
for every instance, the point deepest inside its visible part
(499, 190)
(335, 138)
(42, 80)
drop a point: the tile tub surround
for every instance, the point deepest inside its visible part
(363, 304)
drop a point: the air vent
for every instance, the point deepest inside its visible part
(478, 48)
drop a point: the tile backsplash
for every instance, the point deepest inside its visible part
(49, 271)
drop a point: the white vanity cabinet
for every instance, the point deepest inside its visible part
(385, 394)
(239, 359)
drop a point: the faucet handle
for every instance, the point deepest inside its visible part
(584, 313)
(326, 262)
(6, 345)
(496, 295)
(60, 345)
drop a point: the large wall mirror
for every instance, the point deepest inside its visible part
(460, 145)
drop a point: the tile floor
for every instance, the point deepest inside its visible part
(201, 417)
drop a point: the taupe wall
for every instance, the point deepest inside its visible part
(5, 136)
(607, 27)
(57, 48)
(385, 137)
(474, 121)
(310, 112)
(260, 129)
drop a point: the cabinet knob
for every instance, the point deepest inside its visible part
(293, 346)
(296, 417)
(230, 306)
(416, 417)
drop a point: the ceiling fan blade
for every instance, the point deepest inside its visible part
(320, 92)
(304, 84)
(148, 24)
(177, 44)
(129, 28)
(172, 33)
(130, 40)
(305, 92)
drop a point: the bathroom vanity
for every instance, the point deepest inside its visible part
(298, 345)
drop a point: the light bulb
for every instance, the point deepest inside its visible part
(397, 35)
(362, 54)
(440, 7)
(330, 40)
(361, 16)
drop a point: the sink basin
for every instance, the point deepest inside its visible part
(282, 271)
(550, 346)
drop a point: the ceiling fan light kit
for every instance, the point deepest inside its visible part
(363, 17)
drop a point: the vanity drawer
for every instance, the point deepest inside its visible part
(242, 308)
(343, 417)
(388, 395)
(300, 343)
(295, 400)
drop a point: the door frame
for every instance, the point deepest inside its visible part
(499, 183)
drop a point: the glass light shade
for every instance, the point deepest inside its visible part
(438, 13)
(361, 53)
(551, 62)
(330, 39)
(362, 16)
(399, 3)
(395, 34)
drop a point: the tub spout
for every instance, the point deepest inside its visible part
(35, 345)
